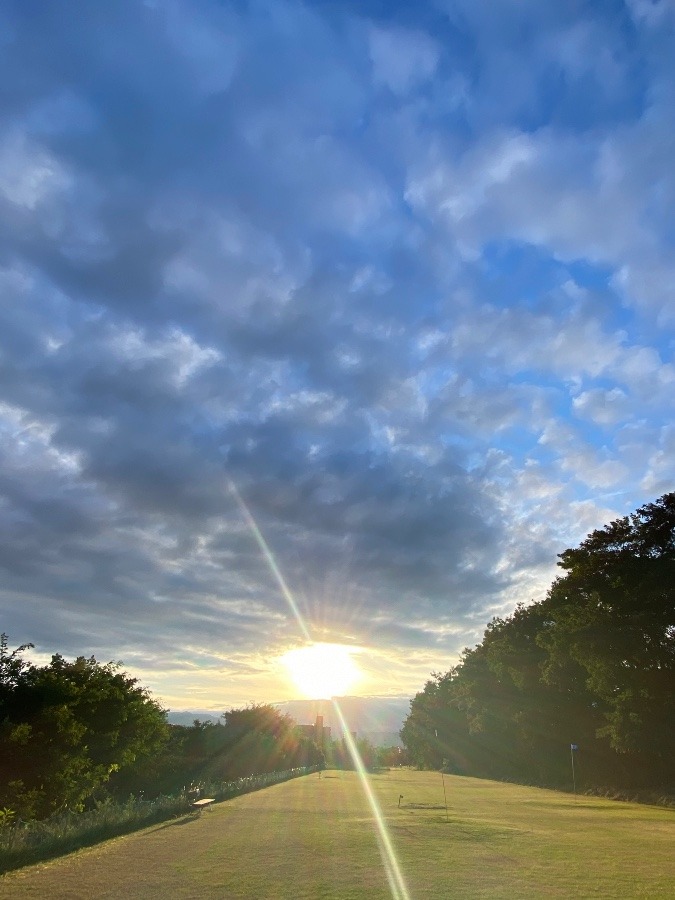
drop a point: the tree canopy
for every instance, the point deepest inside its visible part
(75, 732)
(592, 664)
(66, 727)
(248, 741)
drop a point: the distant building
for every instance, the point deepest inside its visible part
(318, 732)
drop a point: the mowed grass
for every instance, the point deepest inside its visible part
(315, 838)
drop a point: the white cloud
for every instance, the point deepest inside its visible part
(402, 60)
(595, 197)
(605, 407)
(29, 175)
(659, 476)
(182, 354)
(652, 13)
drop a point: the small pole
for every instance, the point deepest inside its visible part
(573, 747)
(443, 780)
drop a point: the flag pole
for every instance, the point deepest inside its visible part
(573, 747)
(445, 797)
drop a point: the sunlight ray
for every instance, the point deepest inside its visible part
(397, 885)
(395, 878)
(269, 557)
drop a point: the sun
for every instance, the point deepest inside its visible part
(321, 671)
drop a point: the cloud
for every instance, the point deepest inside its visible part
(402, 60)
(407, 287)
(602, 406)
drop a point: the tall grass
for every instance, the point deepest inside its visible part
(23, 843)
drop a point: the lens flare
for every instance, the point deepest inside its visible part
(397, 885)
(271, 562)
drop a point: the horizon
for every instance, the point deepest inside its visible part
(324, 323)
(298, 700)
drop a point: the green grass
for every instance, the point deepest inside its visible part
(22, 844)
(314, 838)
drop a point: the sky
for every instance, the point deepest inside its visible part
(398, 275)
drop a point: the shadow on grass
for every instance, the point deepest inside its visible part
(421, 806)
(481, 834)
(460, 829)
(41, 841)
(183, 820)
(578, 804)
(57, 846)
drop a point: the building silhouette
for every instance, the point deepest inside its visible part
(318, 732)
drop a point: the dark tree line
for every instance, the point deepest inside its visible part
(593, 664)
(249, 741)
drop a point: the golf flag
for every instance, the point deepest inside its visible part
(574, 747)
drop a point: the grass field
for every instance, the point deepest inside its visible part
(314, 838)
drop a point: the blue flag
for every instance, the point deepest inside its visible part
(574, 747)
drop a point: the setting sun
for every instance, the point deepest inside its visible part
(322, 671)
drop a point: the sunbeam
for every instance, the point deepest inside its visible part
(267, 553)
(397, 884)
(393, 872)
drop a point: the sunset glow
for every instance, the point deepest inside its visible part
(322, 670)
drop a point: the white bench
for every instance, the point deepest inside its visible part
(199, 805)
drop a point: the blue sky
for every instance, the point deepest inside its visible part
(403, 273)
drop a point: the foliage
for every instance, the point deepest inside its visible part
(593, 664)
(338, 755)
(12, 666)
(249, 741)
(389, 757)
(66, 727)
(74, 733)
(260, 739)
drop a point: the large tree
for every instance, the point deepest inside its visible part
(66, 727)
(612, 615)
(592, 664)
(258, 739)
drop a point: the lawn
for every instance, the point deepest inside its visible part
(314, 838)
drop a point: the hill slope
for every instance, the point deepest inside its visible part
(315, 837)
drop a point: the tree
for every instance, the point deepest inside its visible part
(391, 757)
(593, 663)
(613, 616)
(66, 727)
(339, 755)
(249, 741)
(11, 665)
